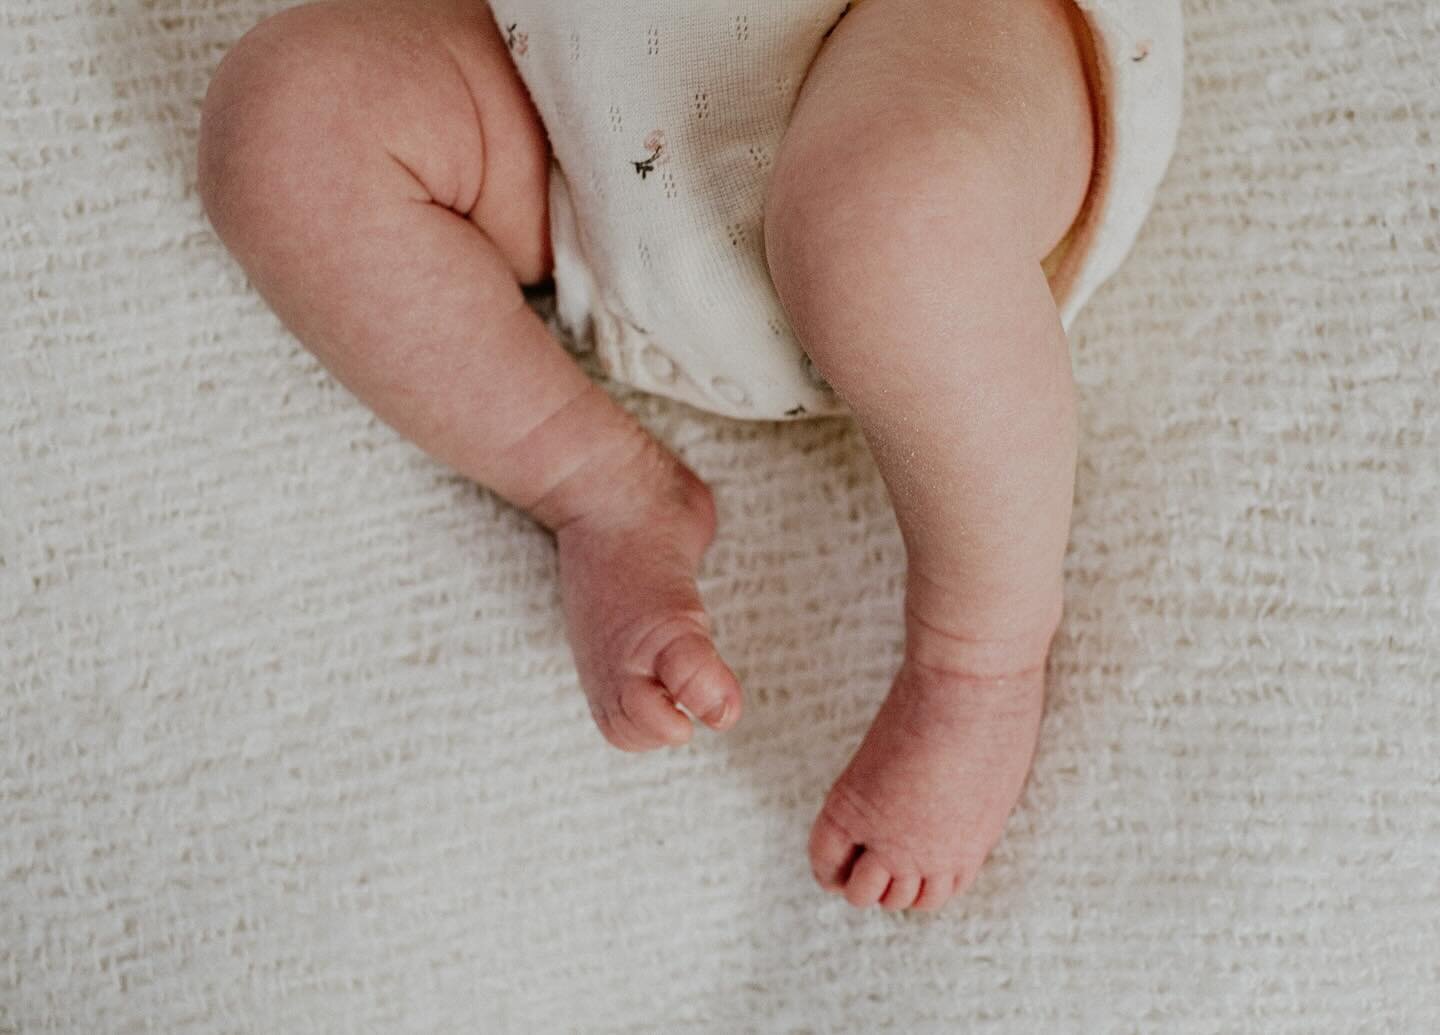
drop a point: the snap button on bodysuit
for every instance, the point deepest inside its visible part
(730, 391)
(659, 366)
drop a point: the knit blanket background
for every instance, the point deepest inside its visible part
(289, 735)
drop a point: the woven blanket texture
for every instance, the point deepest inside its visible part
(290, 740)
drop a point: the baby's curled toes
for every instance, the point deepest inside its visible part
(639, 633)
(634, 692)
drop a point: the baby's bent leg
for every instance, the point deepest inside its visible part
(936, 154)
(380, 173)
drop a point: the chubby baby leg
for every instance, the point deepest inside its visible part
(378, 170)
(937, 152)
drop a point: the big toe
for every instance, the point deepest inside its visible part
(692, 672)
(869, 881)
(832, 853)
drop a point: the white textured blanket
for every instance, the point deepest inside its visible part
(289, 738)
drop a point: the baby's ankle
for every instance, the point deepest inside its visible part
(949, 631)
(592, 465)
(646, 489)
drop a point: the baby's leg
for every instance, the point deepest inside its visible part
(937, 152)
(379, 171)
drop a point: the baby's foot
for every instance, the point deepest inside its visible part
(928, 791)
(640, 635)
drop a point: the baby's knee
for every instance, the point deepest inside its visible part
(903, 199)
(878, 213)
(273, 124)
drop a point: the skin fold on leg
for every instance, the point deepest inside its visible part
(379, 172)
(937, 152)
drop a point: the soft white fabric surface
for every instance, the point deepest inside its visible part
(289, 740)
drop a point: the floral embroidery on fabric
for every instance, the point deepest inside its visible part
(517, 41)
(655, 143)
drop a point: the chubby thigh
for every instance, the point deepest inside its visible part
(326, 103)
(378, 171)
(945, 93)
